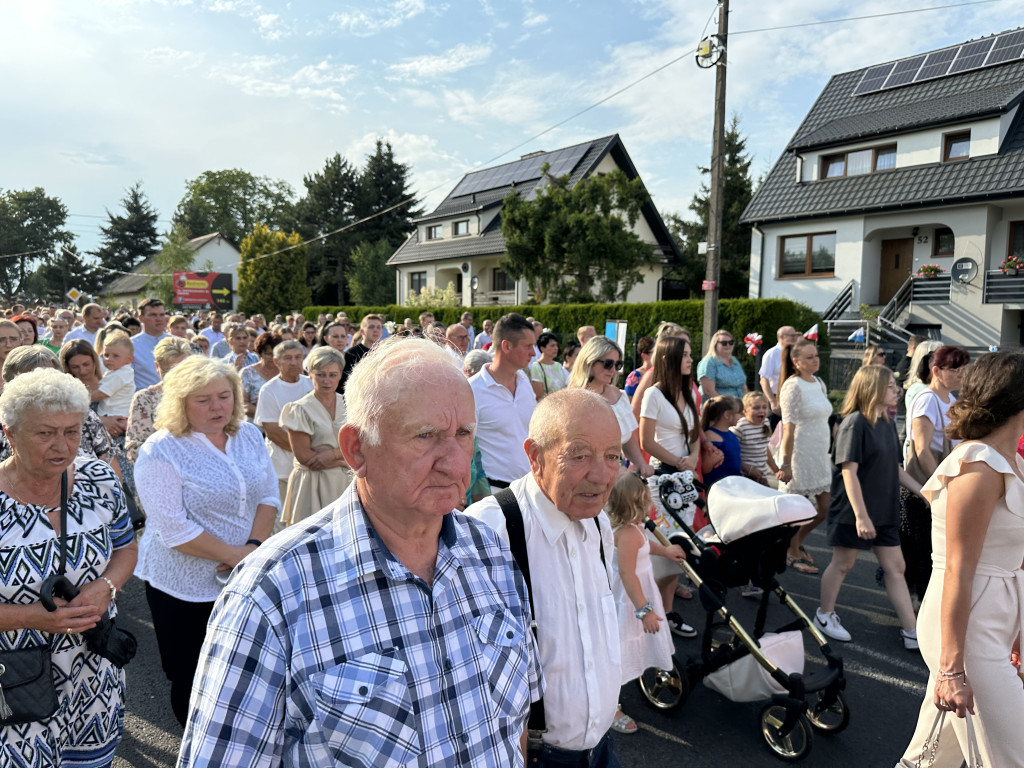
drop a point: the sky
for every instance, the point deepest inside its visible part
(99, 94)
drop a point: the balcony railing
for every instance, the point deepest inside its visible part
(1003, 289)
(933, 290)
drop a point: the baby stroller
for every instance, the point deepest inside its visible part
(746, 541)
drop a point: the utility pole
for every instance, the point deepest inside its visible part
(714, 268)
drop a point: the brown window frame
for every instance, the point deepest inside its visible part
(949, 139)
(497, 272)
(935, 244)
(455, 228)
(807, 274)
(1009, 243)
(415, 277)
(431, 228)
(827, 159)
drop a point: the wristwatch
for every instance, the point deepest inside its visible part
(644, 611)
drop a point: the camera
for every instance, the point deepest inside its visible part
(105, 639)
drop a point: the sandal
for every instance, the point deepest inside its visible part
(625, 724)
(683, 592)
(807, 555)
(800, 565)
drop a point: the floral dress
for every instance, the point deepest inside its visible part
(141, 419)
(90, 690)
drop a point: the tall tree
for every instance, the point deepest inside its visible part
(573, 243)
(371, 281)
(737, 191)
(31, 229)
(272, 284)
(233, 202)
(174, 255)
(131, 237)
(328, 206)
(65, 270)
(384, 184)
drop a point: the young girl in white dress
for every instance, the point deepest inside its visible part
(643, 633)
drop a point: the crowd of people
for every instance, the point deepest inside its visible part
(316, 601)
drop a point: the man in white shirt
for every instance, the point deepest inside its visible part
(288, 386)
(94, 317)
(771, 367)
(505, 402)
(484, 337)
(466, 321)
(212, 331)
(458, 339)
(573, 448)
(154, 324)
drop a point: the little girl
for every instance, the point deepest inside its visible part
(643, 634)
(719, 416)
(754, 435)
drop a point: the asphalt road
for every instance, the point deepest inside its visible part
(885, 686)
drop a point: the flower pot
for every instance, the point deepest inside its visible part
(1010, 270)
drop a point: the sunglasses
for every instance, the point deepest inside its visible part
(728, 343)
(609, 364)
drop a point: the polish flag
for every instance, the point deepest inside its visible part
(812, 333)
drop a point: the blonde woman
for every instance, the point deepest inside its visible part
(167, 354)
(720, 373)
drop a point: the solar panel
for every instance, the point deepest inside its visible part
(936, 64)
(1007, 48)
(873, 78)
(972, 55)
(565, 160)
(904, 72)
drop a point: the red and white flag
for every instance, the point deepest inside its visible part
(812, 333)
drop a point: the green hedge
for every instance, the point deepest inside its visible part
(739, 316)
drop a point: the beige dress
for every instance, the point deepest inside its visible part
(309, 490)
(995, 619)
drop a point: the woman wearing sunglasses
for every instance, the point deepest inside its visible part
(597, 368)
(719, 373)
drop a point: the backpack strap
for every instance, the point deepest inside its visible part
(517, 543)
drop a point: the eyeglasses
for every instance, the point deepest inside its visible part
(609, 364)
(728, 343)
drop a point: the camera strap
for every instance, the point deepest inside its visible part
(62, 568)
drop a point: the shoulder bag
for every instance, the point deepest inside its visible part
(913, 463)
(931, 744)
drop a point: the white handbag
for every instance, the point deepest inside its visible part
(931, 744)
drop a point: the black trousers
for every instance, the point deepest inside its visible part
(180, 628)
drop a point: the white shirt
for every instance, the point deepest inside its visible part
(771, 367)
(577, 624)
(119, 387)
(502, 424)
(273, 396)
(212, 335)
(81, 333)
(480, 340)
(188, 486)
(668, 428)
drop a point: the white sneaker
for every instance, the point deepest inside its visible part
(909, 639)
(829, 625)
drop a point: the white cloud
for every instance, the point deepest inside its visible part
(453, 60)
(270, 27)
(535, 20)
(269, 76)
(382, 17)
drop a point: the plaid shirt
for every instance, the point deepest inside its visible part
(325, 650)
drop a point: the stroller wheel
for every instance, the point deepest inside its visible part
(830, 719)
(796, 744)
(664, 689)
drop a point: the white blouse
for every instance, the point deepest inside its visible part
(188, 486)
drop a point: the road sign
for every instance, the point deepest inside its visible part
(74, 294)
(204, 290)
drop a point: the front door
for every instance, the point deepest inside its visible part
(897, 261)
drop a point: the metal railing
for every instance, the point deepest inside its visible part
(841, 304)
(933, 290)
(1003, 289)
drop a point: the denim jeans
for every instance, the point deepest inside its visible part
(600, 756)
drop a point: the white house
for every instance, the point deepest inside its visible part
(461, 239)
(213, 253)
(913, 162)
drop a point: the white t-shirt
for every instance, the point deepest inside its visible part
(668, 429)
(771, 367)
(119, 387)
(502, 424)
(930, 405)
(273, 397)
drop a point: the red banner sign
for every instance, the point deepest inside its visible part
(203, 290)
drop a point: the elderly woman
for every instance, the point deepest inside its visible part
(256, 375)
(167, 354)
(210, 494)
(720, 373)
(596, 368)
(58, 330)
(319, 472)
(42, 413)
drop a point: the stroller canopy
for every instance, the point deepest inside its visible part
(738, 507)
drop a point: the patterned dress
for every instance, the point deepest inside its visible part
(87, 725)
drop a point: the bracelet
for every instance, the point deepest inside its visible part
(952, 675)
(644, 611)
(113, 589)
(254, 542)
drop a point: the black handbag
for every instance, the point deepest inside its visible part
(27, 692)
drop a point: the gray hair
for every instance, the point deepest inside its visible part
(376, 382)
(287, 346)
(475, 360)
(920, 351)
(43, 389)
(24, 359)
(321, 357)
(566, 406)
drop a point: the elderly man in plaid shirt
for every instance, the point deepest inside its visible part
(387, 629)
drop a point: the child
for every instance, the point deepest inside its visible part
(117, 386)
(754, 434)
(720, 415)
(643, 634)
